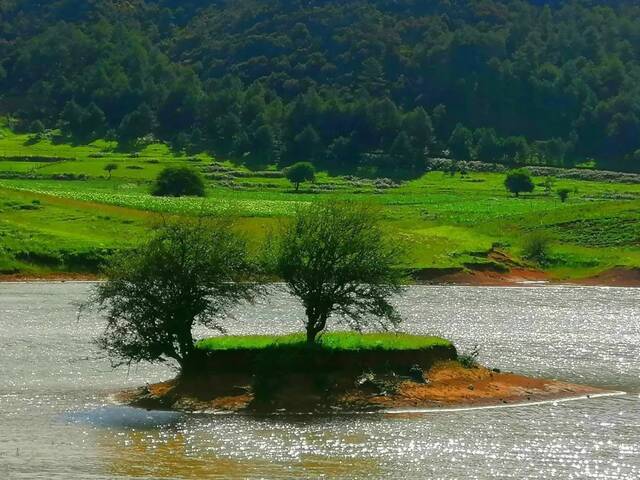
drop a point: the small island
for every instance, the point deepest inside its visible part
(344, 372)
(343, 268)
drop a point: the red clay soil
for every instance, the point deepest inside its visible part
(615, 277)
(449, 385)
(516, 276)
(49, 277)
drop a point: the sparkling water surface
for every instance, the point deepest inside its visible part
(57, 421)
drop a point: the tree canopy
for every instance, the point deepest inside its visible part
(187, 274)
(342, 84)
(337, 260)
(179, 182)
(299, 173)
(519, 181)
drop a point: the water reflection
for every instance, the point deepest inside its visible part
(197, 455)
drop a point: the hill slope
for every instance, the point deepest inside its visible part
(347, 84)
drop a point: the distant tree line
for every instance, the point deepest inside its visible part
(377, 84)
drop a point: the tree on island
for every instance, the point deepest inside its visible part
(109, 168)
(337, 260)
(519, 181)
(178, 182)
(299, 173)
(186, 274)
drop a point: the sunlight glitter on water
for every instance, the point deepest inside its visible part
(56, 420)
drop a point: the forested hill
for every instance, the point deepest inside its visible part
(345, 84)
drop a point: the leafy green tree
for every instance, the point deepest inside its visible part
(342, 152)
(418, 126)
(489, 146)
(563, 194)
(109, 168)
(299, 173)
(306, 144)
(136, 125)
(179, 182)
(403, 152)
(519, 181)
(461, 143)
(515, 149)
(263, 143)
(73, 117)
(95, 122)
(186, 274)
(337, 259)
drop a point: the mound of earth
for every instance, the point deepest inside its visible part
(445, 384)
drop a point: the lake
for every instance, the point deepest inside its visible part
(57, 420)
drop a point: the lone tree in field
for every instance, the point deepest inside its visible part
(178, 182)
(185, 275)
(337, 260)
(563, 194)
(299, 173)
(109, 168)
(519, 181)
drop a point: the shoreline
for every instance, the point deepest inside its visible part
(614, 277)
(450, 387)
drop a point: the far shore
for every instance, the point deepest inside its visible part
(516, 277)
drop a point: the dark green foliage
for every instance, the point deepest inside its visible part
(299, 173)
(185, 275)
(179, 182)
(470, 359)
(37, 127)
(136, 124)
(461, 143)
(519, 181)
(109, 168)
(336, 259)
(563, 194)
(536, 247)
(545, 82)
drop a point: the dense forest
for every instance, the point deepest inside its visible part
(381, 84)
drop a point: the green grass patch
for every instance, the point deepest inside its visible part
(334, 341)
(444, 221)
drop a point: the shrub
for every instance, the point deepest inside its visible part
(519, 181)
(299, 173)
(470, 359)
(563, 194)
(536, 247)
(178, 182)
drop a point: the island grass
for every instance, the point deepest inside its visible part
(334, 341)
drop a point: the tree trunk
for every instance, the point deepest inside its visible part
(315, 325)
(297, 186)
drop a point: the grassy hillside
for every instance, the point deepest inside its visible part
(60, 212)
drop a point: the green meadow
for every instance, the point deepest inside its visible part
(60, 211)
